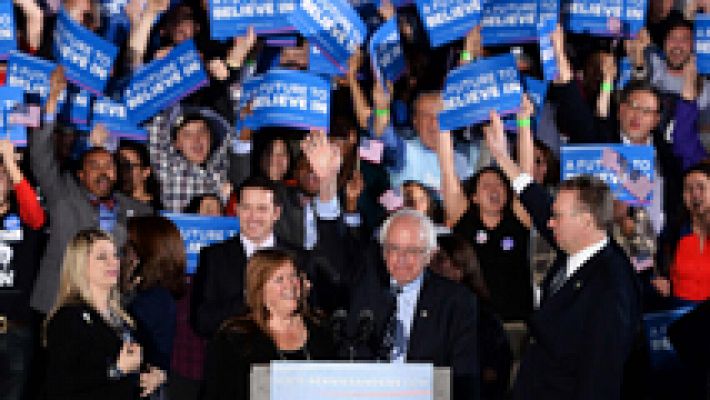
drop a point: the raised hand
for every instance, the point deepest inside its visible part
(323, 156)
(495, 136)
(608, 67)
(241, 46)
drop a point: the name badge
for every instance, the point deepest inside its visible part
(481, 237)
(12, 229)
(507, 243)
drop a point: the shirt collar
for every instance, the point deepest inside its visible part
(625, 139)
(575, 261)
(412, 286)
(250, 247)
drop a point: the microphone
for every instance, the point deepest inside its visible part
(337, 325)
(365, 326)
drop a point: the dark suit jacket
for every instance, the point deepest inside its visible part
(582, 335)
(444, 330)
(81, 347)
(219, 281)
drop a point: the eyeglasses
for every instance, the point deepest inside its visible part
(409, 252)
(649, 111)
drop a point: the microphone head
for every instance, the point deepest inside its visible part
(339, 314)
(365, 325)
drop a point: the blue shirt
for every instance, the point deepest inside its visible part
(407, 297)
(410, 160)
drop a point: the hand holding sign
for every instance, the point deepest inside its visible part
(57, 85)
(241, 46)
(494, 133)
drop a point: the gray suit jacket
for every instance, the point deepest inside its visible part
(69, 212)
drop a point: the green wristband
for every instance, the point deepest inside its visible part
(382, 112)
(524, 123)
(607, 87)
(466, 55)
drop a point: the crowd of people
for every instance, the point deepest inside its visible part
(436, 250)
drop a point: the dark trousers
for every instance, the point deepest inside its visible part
(16, 348)
(180, 388)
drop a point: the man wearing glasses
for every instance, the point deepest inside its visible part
(418, 316)
(589, 318)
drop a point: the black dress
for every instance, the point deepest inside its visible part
(232, 352)
(503, 256)
(81, 348)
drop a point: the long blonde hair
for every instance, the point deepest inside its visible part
(73, 281)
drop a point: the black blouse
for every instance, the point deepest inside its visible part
(505, 264)
(232, 352)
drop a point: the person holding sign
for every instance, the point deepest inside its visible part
(278, 326)
(635, 120)
(486, 215)
(74, 204)
(591, 301)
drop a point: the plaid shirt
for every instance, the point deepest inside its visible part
(181, 180)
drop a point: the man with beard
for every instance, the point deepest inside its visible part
(73, 205)
(668, 68)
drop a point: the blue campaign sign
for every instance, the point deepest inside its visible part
(164, 82)
(290, 98)
(76, 109)
(474, 89)
(115, 23)
(229, 18)
(87, 58)
(386, 52)
(326, 381)
(8, 38)
(624, 73)
(702, 43)
(11, 98)
(605, 17)
(333, 25)
(198, 232)
(627, 169)
(661, 352)
(634, 17)
(114, 117)
(30, 74)
(547, 58)
(536, 91)
(517, 21)
(448, 20)
(318, 63)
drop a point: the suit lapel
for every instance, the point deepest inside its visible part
(577, 281)
(420, 319)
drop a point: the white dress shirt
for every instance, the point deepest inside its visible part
(250, 247)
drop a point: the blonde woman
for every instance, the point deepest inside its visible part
(90, 350)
